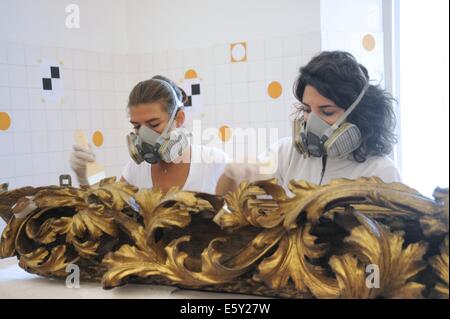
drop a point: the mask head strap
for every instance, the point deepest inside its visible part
(178, 105)
(339, 121)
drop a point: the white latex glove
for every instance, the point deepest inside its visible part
(235, 173)
(265, 168)
(80, 156)
(240, 172)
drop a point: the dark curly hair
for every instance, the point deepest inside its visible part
(339, 77)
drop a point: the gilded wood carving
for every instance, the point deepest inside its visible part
(348, 239)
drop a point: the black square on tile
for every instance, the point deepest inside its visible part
(195, 89)
(54, 70)
(47, 84)
(188, 102)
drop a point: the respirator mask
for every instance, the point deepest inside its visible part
(152, 147)
(317, 138)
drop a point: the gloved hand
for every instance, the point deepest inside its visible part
(80, 156)
(235, 173)
(240, 172)
(264, 168)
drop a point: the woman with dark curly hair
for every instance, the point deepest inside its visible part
(344, 128)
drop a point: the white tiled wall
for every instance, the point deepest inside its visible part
(35, 149)
(344, 23)
(351, 41)
(98, 75)
(235, 94)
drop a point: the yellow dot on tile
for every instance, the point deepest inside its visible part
(274, 90)
(97, 138)
(5, 121)
(369, 42)
(190, 74)
(225, 133)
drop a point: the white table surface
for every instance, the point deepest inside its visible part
(17, 283)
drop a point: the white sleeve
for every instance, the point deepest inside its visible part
(389, 174)
(126, 172)
(210, 169)
(225, 158)
(385, 169)
(220, 167)
(220, 159)
(270, 161)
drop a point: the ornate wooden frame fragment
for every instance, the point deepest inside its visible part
(348, 239)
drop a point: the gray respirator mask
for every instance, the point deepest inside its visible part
(317, 138)
(150, 146)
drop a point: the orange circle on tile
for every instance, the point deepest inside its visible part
(275, 90)
(5, 121)
(190, 74)
(369, 42)
(225, 133)
(97, 138)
